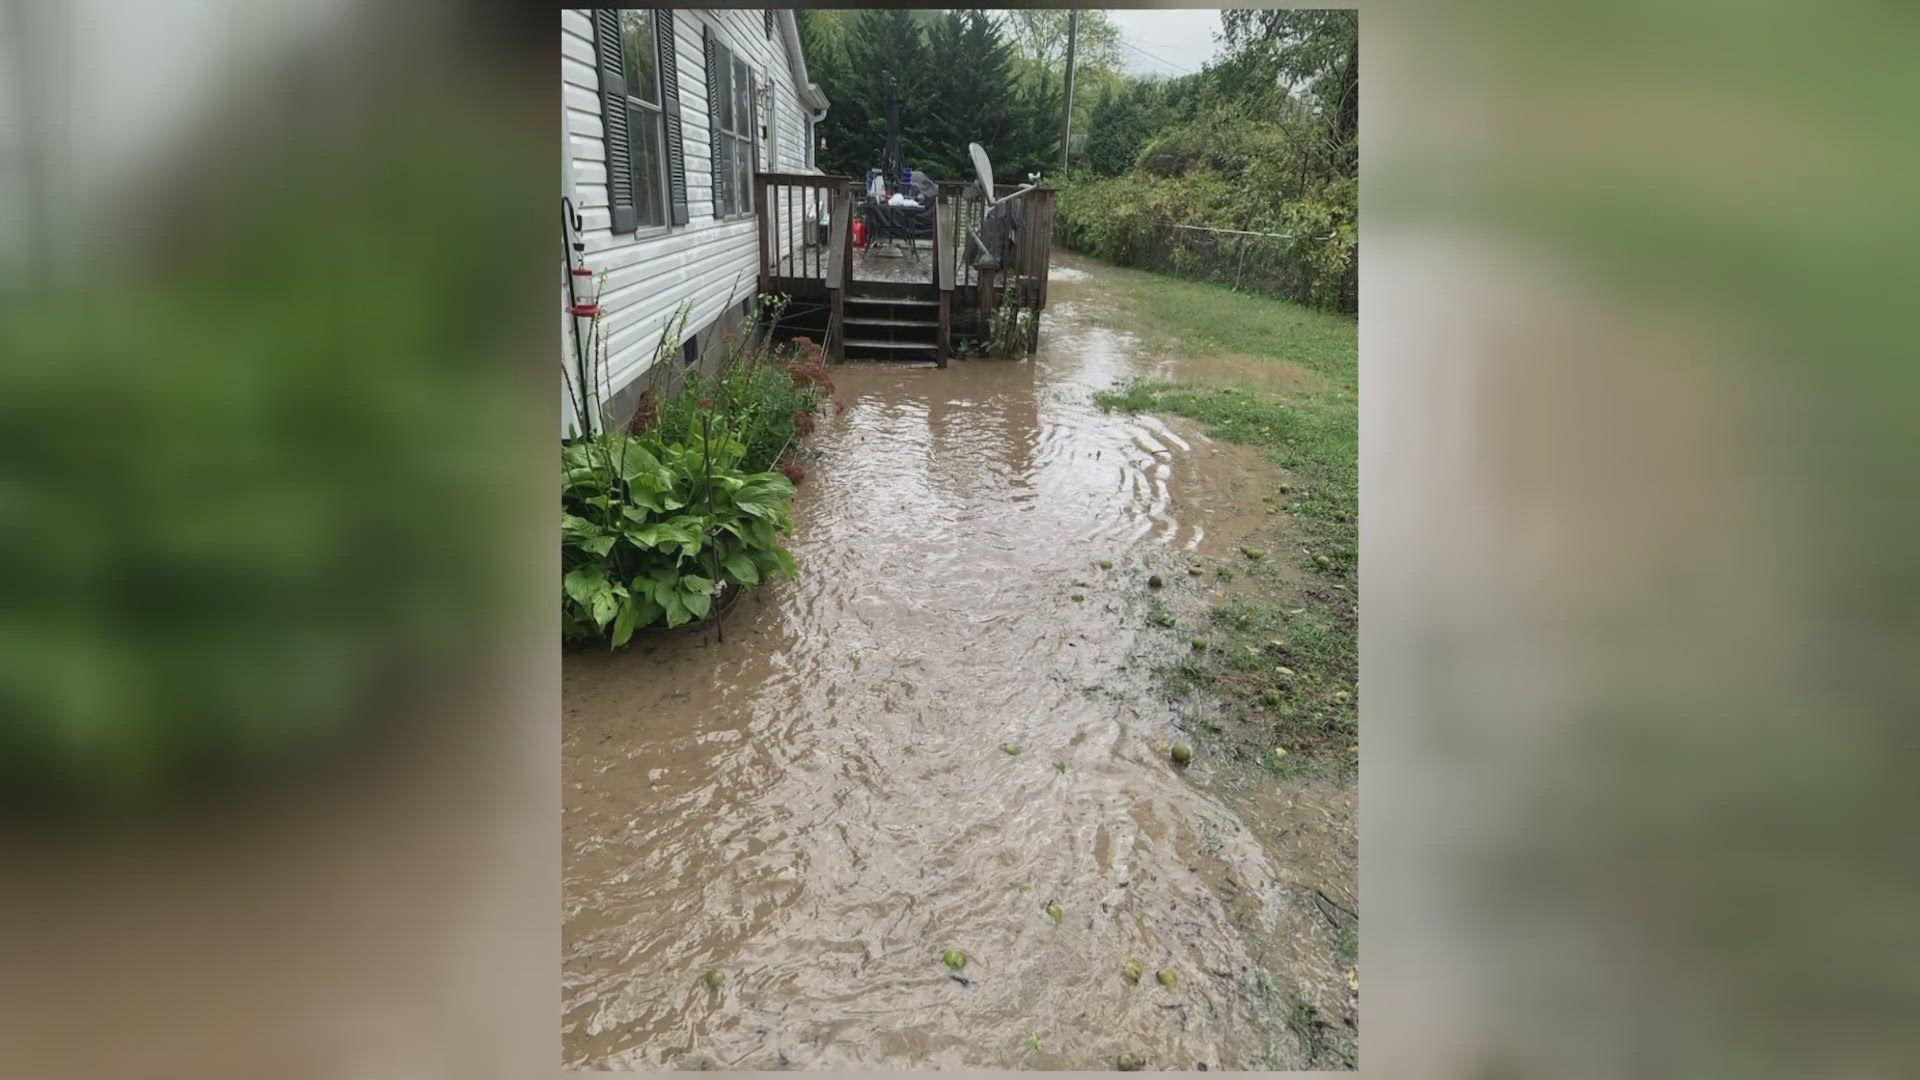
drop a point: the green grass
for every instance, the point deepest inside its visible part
(1308, 625)
(1207, 320)
(1346, 945)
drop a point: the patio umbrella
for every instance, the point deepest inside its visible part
(891, 161)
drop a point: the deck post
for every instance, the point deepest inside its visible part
(942, 282)
(839, 272)
(764, 215)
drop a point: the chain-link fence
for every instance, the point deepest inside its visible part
(1276, 264)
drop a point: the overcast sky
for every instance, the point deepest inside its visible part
(1165, 42)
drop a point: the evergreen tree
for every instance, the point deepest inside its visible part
(973, 88)
(879, 43)
(1121, 123)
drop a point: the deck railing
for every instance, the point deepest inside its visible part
(1026, 265)
(943, 275)
(837, 269)
(791, 207)
(799, 257)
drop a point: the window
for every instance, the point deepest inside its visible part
(646, 126)
(733, 110)
(806, 122)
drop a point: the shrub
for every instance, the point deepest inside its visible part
(767, 394)
(652, 531)
(659, 519)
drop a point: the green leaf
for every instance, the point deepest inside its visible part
(699, 604)
(636, 461)
(605, 606)
(586, 583)
(742, 569)
(694, 583)
(629, 617)
(599, 545)
(787, 565)
(676, 607)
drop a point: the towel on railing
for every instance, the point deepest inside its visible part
(987, 246)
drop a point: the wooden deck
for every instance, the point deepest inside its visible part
(868, 305)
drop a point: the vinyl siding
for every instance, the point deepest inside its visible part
(708, 263)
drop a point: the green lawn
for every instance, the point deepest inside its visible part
(1283, 647)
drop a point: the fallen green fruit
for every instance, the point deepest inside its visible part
(1129, 1063)
(1077, 597)
(1106, 564)
(1200, 642)
(1182, 754)
(1060, 766)
(1253, 552)
(716, 980)
(1168, 976)
(1010, 749)
(1131, 972)
(1054, 912)
(954, 959)
(1323, 561)
(1196, 571)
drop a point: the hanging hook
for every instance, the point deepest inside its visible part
(570, 219)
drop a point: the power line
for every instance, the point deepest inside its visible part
(1177, 67)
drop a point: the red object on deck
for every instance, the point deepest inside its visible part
(859, 234)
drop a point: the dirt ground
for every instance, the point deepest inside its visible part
(948, 734)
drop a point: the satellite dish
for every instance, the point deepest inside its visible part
(982, 170)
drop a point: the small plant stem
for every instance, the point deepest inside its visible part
(713, 553)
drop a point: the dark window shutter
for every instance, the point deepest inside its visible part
(716, 141)
(614, 136)
(670, 112)
(769, 22)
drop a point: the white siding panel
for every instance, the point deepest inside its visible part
(708, 263)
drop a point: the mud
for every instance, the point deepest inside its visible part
(1271, 376)
(894, 261)
(820, 806)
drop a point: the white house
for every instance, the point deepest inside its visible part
(668, 113)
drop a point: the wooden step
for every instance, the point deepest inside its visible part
(905, 300)
(923, 324)
(917, 346)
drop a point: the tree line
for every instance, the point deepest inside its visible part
(992, 77)
(1263, 140)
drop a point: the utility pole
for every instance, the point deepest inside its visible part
(1066, 120)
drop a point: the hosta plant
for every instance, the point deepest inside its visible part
(654, 527)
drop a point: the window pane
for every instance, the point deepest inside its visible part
(742, 97)
(723, 86)
(636, 45)
(649, 168)
(743, 168)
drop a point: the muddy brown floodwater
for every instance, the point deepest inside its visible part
(819, 806)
